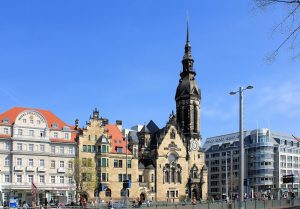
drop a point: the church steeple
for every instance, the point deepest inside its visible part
(187, 61)
(188, 95)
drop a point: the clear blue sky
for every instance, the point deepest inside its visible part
(124, 57)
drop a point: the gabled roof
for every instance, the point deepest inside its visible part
(117, 139)
(145, 129)
(152, 127)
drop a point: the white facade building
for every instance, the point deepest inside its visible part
(36, 147)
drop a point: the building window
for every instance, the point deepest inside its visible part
(70, 197)
(104, 176)
(55, 134)
(19, 178)
(6, 161)
(83, 148)
(52, 149)
(19, 146)
(52, 163)
(7, 179)
(70, 165)
(31, 121)
(61, 150)
(140, 178)
(42, 148)
(66, 136)
(70, 180)
(104, 149)
(89, 137)
(30, 162)
(42, 179)
(24, 120)
(96, 137)
(5, 130)
(70, 150)
(7, 146)
(30, 147)
(61, 164)
(89, 148)
(53, 179)
(38, 122)
(42, 163)
(19, 161)
(89, 162)
(20, 132)
(31, 133)
(118, 163)
(129, 164)
(119, 149)
(104, 162)
(152, 177)
(62, 179)
(120, 177)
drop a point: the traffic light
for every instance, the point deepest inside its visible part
(126, 184)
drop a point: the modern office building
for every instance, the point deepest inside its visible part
(36, 148)
(269, 156)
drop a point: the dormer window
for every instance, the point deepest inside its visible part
(24, 120)
(5, 120)
(54, 125)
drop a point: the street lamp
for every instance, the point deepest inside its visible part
(241, 124)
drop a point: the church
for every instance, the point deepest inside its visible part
(171, 162)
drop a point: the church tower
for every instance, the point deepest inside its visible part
(188, 98)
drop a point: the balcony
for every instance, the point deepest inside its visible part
(41, 169)
(61, 170)
(18, 168)
(30, 169)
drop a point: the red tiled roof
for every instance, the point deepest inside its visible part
(117, 139)
(12, 114)
(49, 116)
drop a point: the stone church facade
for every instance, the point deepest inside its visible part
(173, 154)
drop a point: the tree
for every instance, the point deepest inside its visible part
(289, 24)
(85, 176)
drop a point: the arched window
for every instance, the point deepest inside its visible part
(108, 192)
(179, 176)
(173, 175)
(195, 118)
(172, 136)
(167, 176)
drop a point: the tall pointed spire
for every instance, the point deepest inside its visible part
(187, 31)
(187, 61)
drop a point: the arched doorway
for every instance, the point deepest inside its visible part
(108, 192)
(195, 193)
(142, 197)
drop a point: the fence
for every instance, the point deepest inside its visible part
(249, 204)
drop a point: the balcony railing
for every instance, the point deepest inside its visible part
(30, 168)
(61, 170)
(41, 169)
(18, 168)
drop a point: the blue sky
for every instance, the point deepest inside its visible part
(124, 58)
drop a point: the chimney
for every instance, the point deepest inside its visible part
(119, 124)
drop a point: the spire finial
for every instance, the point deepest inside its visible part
(187, 27)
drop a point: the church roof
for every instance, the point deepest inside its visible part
(152, 127)
(145, 129)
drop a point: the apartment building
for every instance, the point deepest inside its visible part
(36, 147)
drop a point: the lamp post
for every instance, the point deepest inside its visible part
(226, 178)
(241, 124)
